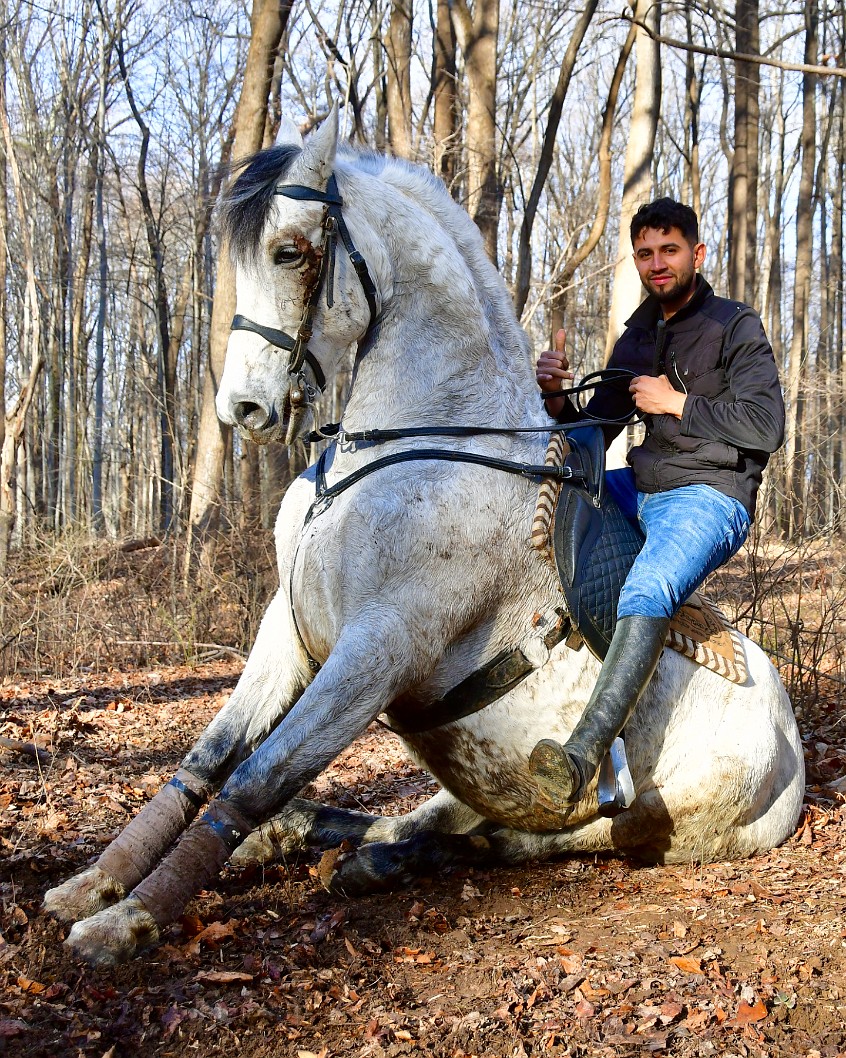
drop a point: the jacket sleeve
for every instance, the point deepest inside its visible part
(753, 417)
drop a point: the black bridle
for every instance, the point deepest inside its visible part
(332, 226)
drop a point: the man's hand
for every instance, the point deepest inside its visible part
(655, 396)
(552, 372)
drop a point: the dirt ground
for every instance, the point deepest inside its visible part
(583, 956)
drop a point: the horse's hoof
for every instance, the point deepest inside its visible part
(115, 935)
(556, 773)
(271, 842)
(368, 869)
(83, 895)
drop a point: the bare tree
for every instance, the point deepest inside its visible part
(796, 451)
(444, 73)
(637, 175)
(398, 64)
(556, 106)
(743, 180)
(15, 419)
(268, 21)
(476, 31)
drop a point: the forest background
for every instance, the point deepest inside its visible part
(551, 123)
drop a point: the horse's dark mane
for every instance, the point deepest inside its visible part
(246, 202)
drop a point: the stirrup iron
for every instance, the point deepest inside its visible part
(615, 788)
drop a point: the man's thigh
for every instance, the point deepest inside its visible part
(690, 532)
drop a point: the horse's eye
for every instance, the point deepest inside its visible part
(287, 256)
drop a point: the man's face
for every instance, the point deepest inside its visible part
(667, 263)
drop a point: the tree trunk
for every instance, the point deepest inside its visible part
(743, 179)
(268, 21)
(580, 255)
(398, 54)
(445, 131)
(477, 35)
(16, 417)
(637, 173)
(795, 447)
(556, 106)
(691, 124)
(4, 221)
(102, 300)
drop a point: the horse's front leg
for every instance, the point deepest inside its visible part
(274, 676)
(361, 675)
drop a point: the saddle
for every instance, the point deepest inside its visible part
(594, 545)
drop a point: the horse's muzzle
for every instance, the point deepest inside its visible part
(254, 418)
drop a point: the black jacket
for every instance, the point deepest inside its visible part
(716, 351)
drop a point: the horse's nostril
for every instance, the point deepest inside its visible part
(252, 416)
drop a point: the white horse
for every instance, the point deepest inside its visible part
(412, 578)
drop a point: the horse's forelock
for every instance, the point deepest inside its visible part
(246, 202)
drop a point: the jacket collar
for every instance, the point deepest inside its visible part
(647, 314)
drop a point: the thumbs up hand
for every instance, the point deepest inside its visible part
(552, 372)
(552, 367)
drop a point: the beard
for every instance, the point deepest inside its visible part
(679, 288)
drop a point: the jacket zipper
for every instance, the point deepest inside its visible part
(676, 369)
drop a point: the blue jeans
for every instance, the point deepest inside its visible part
(690, 532)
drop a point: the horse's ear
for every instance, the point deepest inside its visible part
(289, 134)
(319, 151)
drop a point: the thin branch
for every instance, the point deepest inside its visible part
(734, 56)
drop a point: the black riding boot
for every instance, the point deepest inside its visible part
(564, 772)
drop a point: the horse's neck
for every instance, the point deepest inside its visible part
(448, 350)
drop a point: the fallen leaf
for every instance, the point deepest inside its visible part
(669, 1012)
(697, 1019)
(214, 933)
(585, 1009)
(688, 966)
(172, 1019)
(747, 1014)
(10, 1027)
(32, 987)
(223, 976)
(191, 925)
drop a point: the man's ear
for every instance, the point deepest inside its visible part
(700, 252)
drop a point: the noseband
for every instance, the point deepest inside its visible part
(332, 225)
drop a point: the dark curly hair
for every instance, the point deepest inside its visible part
(663, 214)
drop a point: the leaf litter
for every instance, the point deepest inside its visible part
(585, 956)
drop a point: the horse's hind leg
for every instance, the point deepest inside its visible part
(270, 681)
(303, 823)
(392, 851)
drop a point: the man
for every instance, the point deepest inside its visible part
(707, 384)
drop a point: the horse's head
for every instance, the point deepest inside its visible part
(304, 293)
